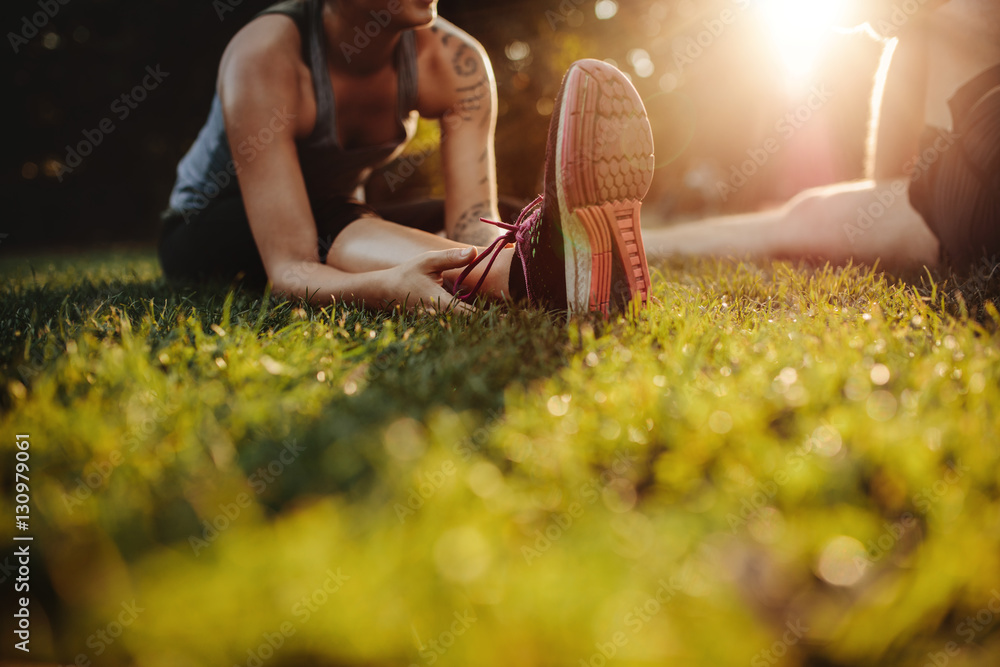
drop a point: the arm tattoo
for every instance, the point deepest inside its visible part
(470, 98)
(469, 229)
(465, 61)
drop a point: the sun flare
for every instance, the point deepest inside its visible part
(800, 29)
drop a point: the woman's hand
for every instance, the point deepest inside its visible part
(419, 283)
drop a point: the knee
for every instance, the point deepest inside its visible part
(344, 245)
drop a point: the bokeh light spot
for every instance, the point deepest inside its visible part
(880, 374)
(641, 62)
(826, 441)
(485, 479)
(518, 50)
(404, 439)
(842, 562)
(720, 422)
(882, 406)
(605, 9)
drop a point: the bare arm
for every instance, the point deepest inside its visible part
(467, 129)
(260, 86)
(898, 105)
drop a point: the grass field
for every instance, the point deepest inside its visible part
(771, 465)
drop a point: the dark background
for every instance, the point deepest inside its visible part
(727, 101)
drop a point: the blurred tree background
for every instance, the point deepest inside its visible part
(711, 74)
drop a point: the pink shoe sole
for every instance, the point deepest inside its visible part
(605, 165)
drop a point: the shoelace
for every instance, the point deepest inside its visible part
(517, 233)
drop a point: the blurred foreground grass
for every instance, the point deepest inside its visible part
(772, 465)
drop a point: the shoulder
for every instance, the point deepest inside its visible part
(262, 69)
(451, 61)
(443, 40)
(268, 48)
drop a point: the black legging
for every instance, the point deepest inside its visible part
(216, 245)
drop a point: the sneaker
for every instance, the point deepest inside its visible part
(579, 245)
(598, 167)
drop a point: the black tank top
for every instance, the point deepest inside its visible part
(206, 173)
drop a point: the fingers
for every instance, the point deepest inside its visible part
(438, 261)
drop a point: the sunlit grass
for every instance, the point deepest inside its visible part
(766, 448)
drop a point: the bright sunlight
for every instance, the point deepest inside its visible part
(800, 29)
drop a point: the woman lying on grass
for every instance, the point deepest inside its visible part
(312, 95)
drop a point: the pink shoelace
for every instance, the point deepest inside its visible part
(517, 233)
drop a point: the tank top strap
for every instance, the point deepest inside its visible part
(326, 110)
(406, 65)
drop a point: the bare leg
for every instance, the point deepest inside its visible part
(866, 221)
(372, 244)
